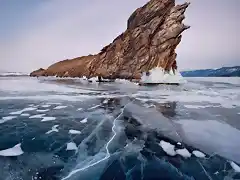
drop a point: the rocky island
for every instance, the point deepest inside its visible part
(149, 42)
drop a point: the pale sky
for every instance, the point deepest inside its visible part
(37, 33)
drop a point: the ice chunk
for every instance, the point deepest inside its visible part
(60, 107)
(179, 143)
(25, 114)
(37, 116)
(42, 110)
(72, 131)
(7, 118)
(24, 110)
(83, 121)
(79, 109)
(54, 129)
(158, 75)
(71, 146)
(184, 153)
(14, 151)
(235, 167)
(168, 148)
(48, 119)
(199, 154)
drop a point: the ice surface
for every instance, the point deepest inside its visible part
(48, 119)
(168, 148)
(183, 152)
(199, 154)
(71, 146)
(158, 75)
(42, 110)
(94, 107)
(14, 151)
(84, 121)
(235, 167)
(37, 116)
(7, 118)
(24, 110)
(54, 129)
(60, 107)
(72, 131)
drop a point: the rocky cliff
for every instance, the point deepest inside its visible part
(152, 35)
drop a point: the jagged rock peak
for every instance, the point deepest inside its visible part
(152, 35)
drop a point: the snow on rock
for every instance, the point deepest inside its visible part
(54, 129)
(37, 116)
(168, 148)
(72, 131)
(184, 153)
(14, 151)
(71, 146)
(48, 119)
(7, 118)
(199, 154)
(235, 167)
(24, 110)
(83, 121)
(60, 107)
(158, 75)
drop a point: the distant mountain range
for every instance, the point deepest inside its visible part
(221, 72)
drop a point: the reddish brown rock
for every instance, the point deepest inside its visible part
(152, 35)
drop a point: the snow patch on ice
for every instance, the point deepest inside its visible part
(184, 153)
(199, 154)
(72, 131)
(37, 116)
(45, 119)
(24, 110)
(235, 167)
(195, 106)
(158, 75)
(7, 118)
(79, 109)
(54, 129)
(84, 121)
(71, 146)
(43, 110)
(46, 106)
(14, 151)
(25, 114)
(60, 107)
(168, 148)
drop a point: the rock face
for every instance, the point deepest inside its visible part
(152, 35)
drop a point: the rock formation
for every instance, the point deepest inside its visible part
(152, 35)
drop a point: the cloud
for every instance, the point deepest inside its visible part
(45, 32)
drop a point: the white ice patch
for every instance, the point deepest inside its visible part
(38, 116)
(24, 110)
(60, 107)
(199, 154)
(195, 106)
(71, 146)
(14, 151)
(79, 109)
(54, 129)
(46, 106)
(72, 131)
(158, 75)
(168, 148)
(25, 114)
(42, 110)
(7, 118)
(48, 119)
(94, 107)
(184, 153)
(83, 121)
(235, 167)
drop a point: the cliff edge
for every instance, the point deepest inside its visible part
(152, 35)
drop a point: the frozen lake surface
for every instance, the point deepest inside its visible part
(57, 129)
